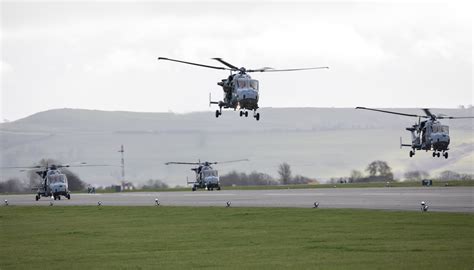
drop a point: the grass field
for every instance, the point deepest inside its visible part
(232, 238)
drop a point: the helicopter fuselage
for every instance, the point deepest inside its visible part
(206, 178)
(240, 92)
(430, 135)
(54, 184)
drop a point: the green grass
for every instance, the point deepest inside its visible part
(232, 238)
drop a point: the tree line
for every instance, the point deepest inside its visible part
(380, 171)
(285, 177)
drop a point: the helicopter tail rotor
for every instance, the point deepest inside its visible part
(211, 102)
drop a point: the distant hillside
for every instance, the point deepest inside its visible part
(317, 142)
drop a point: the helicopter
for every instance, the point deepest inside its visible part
(206, 176)
(428, 135)
(240, 90)
(54, 183)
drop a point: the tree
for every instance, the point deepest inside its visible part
(372, 168)
(355, 176)
(381, 167)
(242, 179)
(299, 179)
(12, 185)
(155, 184)
(74, 182)
(449, 175)
(415, 175)
(284, 171)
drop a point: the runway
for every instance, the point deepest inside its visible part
(444, 199)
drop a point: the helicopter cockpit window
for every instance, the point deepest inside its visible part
(52, 172)
(440, 128)
(209, 173)
(242, 83)
(57, 178)
(254, 84)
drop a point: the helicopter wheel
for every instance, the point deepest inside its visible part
(37, 197)
(257, 116)
(194, 189)
(246, 114)
(241, 113)
(219, 188)
(59, 197)
(434, 154)
(55, 198)
(412, 153)
(68, 196)
(218, 113)
(445, 154)
(438, 154)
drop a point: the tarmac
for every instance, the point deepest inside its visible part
(442, 199)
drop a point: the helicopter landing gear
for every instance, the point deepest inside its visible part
(242, 113)
(194, 189)
(437, 154)
(434, 154)
(68, 196)
(218, 113)
(412, 153)
(445, 155)
(37, 197)
(256, 115)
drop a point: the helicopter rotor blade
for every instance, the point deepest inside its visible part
(404, 114)
(194, 64)
(230, 161)
(288, 69)
(454, 117)
(182, 163)
(30, 167)
(226, 63)
(94, 165)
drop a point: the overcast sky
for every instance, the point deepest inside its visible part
(103, 55)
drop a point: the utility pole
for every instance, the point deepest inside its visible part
(122, 163)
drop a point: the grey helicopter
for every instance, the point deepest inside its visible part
(54, 182)
(429, 134)
(206, 176)
(240, 90)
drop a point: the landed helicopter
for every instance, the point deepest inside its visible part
(428, 135)
(240, 90)
(206, 176)
(54, 183)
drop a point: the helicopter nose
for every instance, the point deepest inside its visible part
(247, 95)
(212, 180)
(440, 141)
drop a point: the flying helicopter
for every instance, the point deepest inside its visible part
(54, 182)
(206, 176)
(428, 135)
(240, 90)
